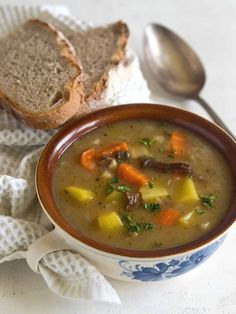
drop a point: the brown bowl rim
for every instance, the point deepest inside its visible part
(77, 128)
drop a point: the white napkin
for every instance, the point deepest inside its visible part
(22, 221)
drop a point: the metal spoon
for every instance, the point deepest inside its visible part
(176, 67)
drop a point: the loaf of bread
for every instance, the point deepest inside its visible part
(39, 76)
(49, 73)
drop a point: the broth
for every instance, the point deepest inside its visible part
(150, 207)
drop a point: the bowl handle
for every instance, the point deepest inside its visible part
(48, 243)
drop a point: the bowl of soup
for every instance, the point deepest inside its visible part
(145, 192)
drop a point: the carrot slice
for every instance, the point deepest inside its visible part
(167, 217)
(110, 150)
(87, 159)
(177, 143)
(131, 175)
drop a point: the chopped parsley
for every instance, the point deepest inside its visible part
(136, 227)
(115, 179)
(208, 200)
(152, 207)
(131, 224)
(200, 211)
(161, 149)
(146, 141)
(147, 226)
(114, 185)
(151, 184)
(110, 188)
(123, 188)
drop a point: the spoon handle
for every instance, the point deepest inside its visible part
(213, 115)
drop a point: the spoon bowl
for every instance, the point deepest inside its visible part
(176, 67)
(173, 63)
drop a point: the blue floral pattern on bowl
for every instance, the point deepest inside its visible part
(168, 269)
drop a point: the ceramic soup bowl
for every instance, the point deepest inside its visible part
(124, 264)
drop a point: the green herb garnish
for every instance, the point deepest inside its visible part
(152, 207)
(200, 211)
(147, 226)
(131, 224)
(146, 141)
(151, 184)
(134, 226)
(161, 149)
(110, 188)
(115, 179)
(207, 200)
(123, 188)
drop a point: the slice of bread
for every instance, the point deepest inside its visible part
(98, 50)
(39, 76)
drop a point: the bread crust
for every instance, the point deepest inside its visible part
(73, 101)
(123, 35)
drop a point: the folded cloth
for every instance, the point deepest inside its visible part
(22, 220)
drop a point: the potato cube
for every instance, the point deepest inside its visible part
(115, 196)
(186, 218)
(113, 164)
(79, 194)
(106, 175)
(154, 194)
(109, 222)
(186, 193)
(139, 151)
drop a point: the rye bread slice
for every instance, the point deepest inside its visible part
(98, 50)
(40, 76)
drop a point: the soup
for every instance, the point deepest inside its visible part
(142, 185)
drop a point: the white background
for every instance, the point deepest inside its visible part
(210, 28)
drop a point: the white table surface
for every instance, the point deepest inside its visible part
(210, 27)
